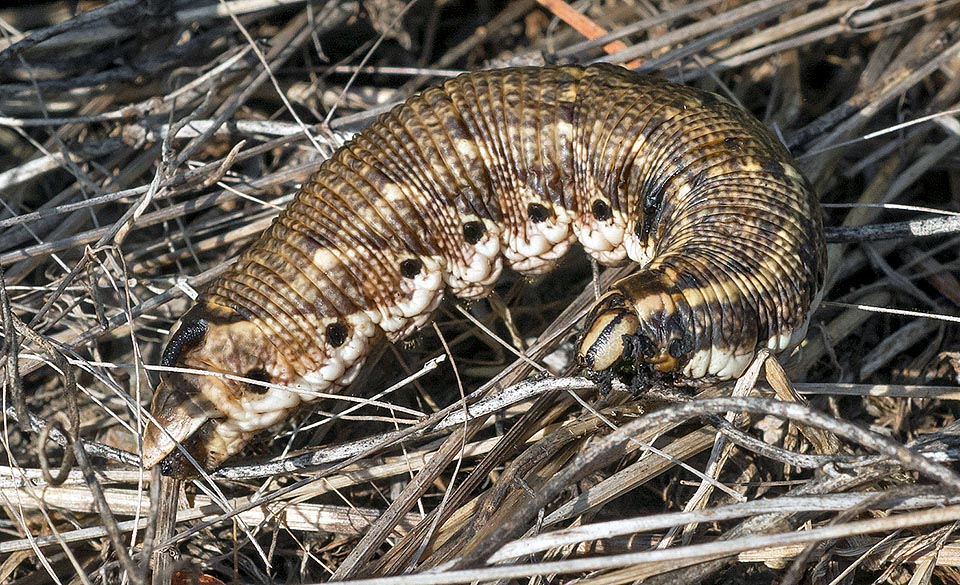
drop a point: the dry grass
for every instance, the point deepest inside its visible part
(139, 151)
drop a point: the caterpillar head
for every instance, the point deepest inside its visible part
(205, 412)
(636, 328)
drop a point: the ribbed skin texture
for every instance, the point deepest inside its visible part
(513, 166)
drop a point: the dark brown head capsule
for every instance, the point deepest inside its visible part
(612, 321)
(638, 322)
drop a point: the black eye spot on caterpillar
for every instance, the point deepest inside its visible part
(538, 213)
(260, 375)
(411, 267)
(473, 231)
(337, 334)
(601, 210)
(725, 229)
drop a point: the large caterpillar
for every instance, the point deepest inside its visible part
(510, 164)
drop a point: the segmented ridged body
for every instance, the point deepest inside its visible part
(517, 164)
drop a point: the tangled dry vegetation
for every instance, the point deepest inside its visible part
(142, 144)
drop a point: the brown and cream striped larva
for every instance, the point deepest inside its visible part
(506, 167)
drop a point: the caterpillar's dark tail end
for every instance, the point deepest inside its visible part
(179, 416)
(210, 402)
(190, 407)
